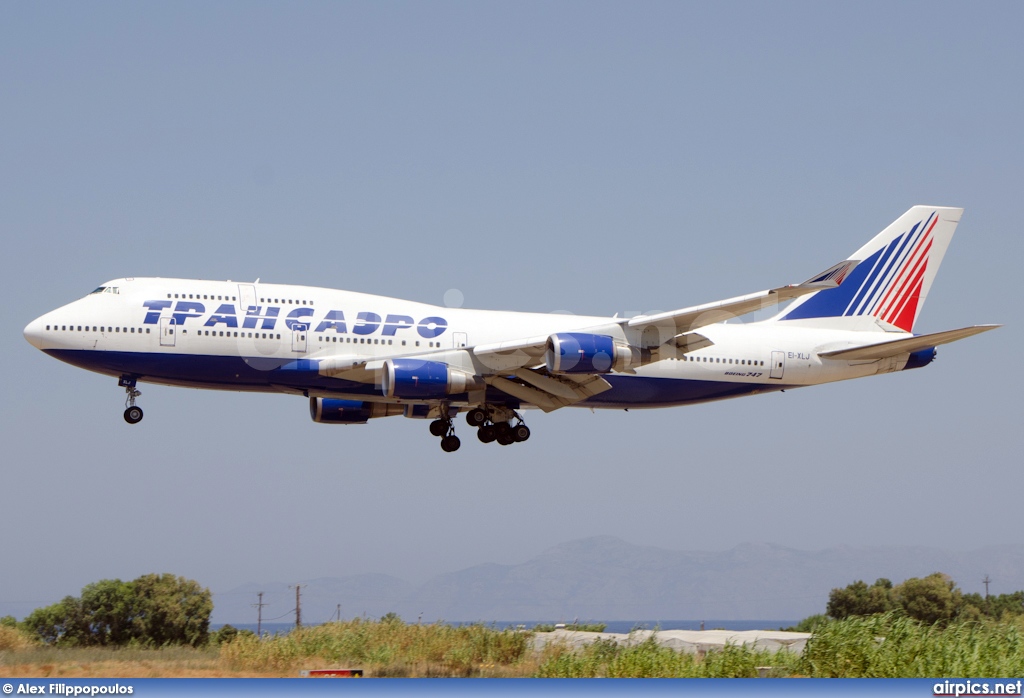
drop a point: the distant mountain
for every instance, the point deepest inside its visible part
(607, 578)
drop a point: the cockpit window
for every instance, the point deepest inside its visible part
(106, 289)
(101, 289)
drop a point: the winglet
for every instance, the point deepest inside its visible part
(831, 277)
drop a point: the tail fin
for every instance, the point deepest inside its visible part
(893, 275)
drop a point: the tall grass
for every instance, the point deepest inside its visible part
(386, 649)
(880, 646)
(606, 658)
(891, 646)
(176, 661)
(15, 640)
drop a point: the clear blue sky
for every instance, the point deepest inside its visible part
(583, 156)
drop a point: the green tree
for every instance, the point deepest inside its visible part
(153, 610)
(1002, 607)
(62, 623)
(8, 622)
(110, 609)
(931, 599)
(171, 610)
(859, 599)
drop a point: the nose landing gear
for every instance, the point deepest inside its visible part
(132, 414)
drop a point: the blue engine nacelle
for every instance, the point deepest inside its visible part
(919, 359)
(415, 379)
(329, 410)
(577, 352)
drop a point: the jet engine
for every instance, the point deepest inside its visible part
(415, 379)
(329, 410)
(919, 359)
(577, 352)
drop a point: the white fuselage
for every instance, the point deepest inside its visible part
(225, 335)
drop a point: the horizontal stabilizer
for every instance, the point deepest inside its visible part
(883, 350)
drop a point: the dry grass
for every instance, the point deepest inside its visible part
(14, 640)
(96, 662)
(391, 649)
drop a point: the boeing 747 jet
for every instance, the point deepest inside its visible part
(358, 357)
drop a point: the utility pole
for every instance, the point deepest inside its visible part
(986, 582)
(259, 615)
(298, 606)
(339, 612)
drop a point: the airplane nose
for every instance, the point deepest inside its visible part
(34, 333)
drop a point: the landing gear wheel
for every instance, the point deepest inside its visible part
(133, 415)
(450, 443)
(503, 428)
(476, 417)
(438, 427)
(486, 433)
(521, 433)
(505, 438)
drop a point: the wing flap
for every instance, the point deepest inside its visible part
(548, 392)
(883, 350)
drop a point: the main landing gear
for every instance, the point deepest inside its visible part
(444, 428)
(132, 414)
(494, 424)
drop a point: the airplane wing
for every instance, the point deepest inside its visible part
(687, 319)
(518, 353)
(883, 350)
(517, 367)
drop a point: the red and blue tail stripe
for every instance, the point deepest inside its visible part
(886, 285)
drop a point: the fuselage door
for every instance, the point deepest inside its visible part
(460, 340)
(778, 364)
(299, 337)
(167, 328)
(246, 297)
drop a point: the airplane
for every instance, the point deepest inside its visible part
(358, 357)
